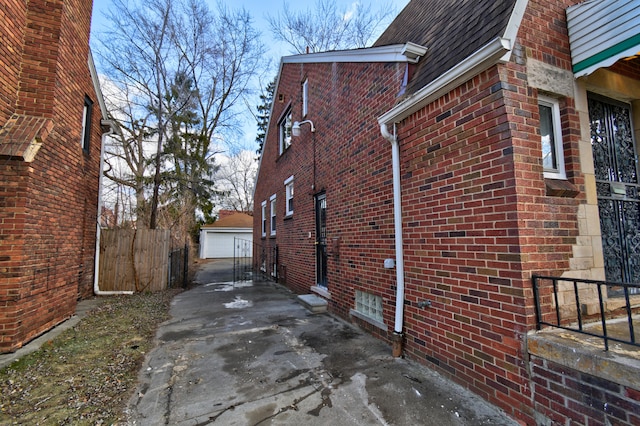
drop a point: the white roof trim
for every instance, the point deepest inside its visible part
(96, 86)
(391, 53)
(482, 59)
(226, 230)
(513, 26)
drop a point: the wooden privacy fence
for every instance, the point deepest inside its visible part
(134, 259)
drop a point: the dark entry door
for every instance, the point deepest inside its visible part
(321, 240)
(616, 170)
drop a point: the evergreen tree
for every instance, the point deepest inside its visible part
(264, 109)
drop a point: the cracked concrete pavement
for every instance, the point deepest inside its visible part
(250, 354)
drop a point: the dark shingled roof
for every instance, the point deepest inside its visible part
(450, 29)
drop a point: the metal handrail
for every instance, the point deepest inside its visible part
(539, 280)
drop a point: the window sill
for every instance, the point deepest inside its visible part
(560, 188)
(321, 291)
(283, 153)
(288, 217)
(369, 320)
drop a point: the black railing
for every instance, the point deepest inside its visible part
(254, 261)
(242, 260)
(609, 325)
(179, 267)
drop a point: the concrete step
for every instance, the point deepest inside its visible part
(313, 303)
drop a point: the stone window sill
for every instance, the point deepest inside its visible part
(561, 188)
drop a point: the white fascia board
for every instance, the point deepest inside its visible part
(513, 26)
(390, 53)
(266, 133)
(228, 230)
(487, 56)
(96, 86)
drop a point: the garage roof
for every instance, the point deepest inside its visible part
(236, 220)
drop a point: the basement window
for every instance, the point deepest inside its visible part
(369, 305)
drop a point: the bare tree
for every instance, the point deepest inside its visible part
(236, 179)
(129, 154)
(326, 28)
(184, 70)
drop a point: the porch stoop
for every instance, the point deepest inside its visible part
(313, 303)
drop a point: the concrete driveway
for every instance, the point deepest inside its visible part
(250, 354)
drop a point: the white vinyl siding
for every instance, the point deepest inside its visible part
(601, 32)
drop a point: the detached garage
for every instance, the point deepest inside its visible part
(217, 239)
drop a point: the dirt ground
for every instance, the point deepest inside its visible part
(85, 375)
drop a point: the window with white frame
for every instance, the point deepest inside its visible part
(305, 98)
(264, 218)
(285, 130)
(369, 305)
(551, 138)
(272, 202)
(85, 140)
(288, 188)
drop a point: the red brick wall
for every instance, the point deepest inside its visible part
(478, 219)
(12, 27)
(353, 168)
(563, 395)
(462, 245)
(48, 211)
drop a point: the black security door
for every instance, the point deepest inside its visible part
(321, 240)
(616, 170)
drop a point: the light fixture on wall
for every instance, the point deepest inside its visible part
(295, 130)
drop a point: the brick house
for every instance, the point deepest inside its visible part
(50, 149)
(430, 188)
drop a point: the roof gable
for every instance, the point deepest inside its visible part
(451, 30)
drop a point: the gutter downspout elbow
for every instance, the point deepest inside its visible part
(399, 243)
(96, 267)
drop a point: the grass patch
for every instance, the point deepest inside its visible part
(86, 375)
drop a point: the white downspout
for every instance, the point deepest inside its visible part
(96, 267)
(397, 219)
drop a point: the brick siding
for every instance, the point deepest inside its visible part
(351, 166)
(563, 394)
(479, 218)
(48, 208)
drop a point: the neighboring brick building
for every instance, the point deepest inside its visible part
(50, 147)
(507, 150)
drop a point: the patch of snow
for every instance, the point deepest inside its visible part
(239, 303)
(229, 286)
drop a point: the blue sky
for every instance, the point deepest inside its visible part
(259, 9)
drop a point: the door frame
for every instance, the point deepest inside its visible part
(320, 207)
